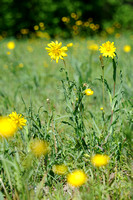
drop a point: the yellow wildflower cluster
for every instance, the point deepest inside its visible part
(9, 125)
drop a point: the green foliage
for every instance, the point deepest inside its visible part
(16, 15)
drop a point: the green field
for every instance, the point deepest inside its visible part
(51, 98)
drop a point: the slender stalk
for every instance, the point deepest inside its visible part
(102, 66)
(103, 84)
(114, 78)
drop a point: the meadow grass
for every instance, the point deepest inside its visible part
(51, 97)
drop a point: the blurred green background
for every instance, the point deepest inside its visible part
(64, 18)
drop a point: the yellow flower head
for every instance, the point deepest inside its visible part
(60, 169)
(55, 51)
(93, 47)
(70, 45)
(39, 147)
(76, 178)
(89, 92)
(8, 52)
(100, 160)
(127, 48)
(108, 49)
(101, 108)
(11, 45)
(18, 119)
(7, 127)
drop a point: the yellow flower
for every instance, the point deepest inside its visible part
(108, 49)
(56, 51)
(70, 45)
(11, 45)
(101, 108)
(7, 127)
(8, 52)
(76, 178)
(93, 47)
(21, 65)
(36, 27)
(89, 92)
(100, 160)
(39, 147)
(18, 119)
(60, 169)
(127, 48)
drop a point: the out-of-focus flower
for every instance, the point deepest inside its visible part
(127, 48)
(41, 24)
(39, 147)
(99, 160)
(70, 45)
(108, 49)
(7, 127)
(76, 178)
(101, 108)
(73, 15)
(21, 65)
(8, 52)
(60, 169)
(117, 35)
(30, 49)
(55, 51)
(110, 30)
(36, 27)
(11, 45)
(18, 119)
(93, 47)
(24, 31)
(89, 92)
(79, 23)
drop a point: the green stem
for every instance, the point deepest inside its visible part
(103, 84)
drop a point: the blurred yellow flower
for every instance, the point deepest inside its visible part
(117, 35)
(60, 169)
(18, 119)
(89, 92)
(55, 51)
(93, 47)
(101, 108)
(70, 45)
(127, 48)
(108, 49)
(11, 45)
(100, 160)
(79, 23)
(24, 31)
(30, 49)
(7, 127)
(76, 178)
(8, 52)
(21, 65)
(36, 27)
(39, 147)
